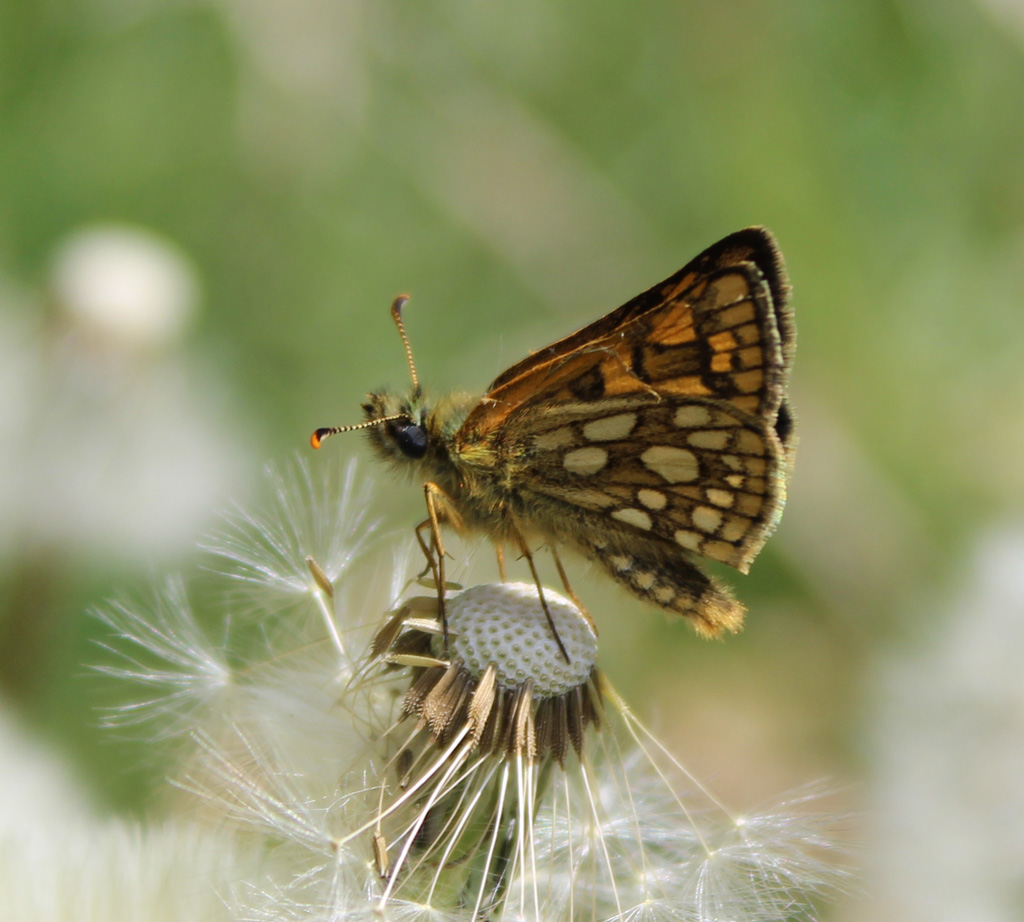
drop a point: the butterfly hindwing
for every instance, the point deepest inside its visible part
(697, 474)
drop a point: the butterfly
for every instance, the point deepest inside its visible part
(656, 436)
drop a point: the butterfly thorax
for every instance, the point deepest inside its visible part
(422, 441)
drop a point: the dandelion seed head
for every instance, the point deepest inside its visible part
(505, 624)
(411, 780)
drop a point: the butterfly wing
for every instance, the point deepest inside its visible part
(719, 327)
(700, 474)
(659, 432)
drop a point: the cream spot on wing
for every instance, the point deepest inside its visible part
(664, 594)
(749, 442)
(719, 550)
(735, 528)
(714, 439)
(736, 315)
(749, 381)
(748, 333)
(620, 562)
(735, 480)
(610, 428)
(643, 580)
(556, 438)
(652, 499)
(688, 539)
(692, 417)
(676, 465)
(751, 357)
(585, 461)
(707, 519)
(635, 517)
(721, 498)
(732, 462)
(748, 504)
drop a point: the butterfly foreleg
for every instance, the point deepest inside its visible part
(439, 506)
(540, 592)
(427, 547)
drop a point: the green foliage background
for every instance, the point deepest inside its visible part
(520, 169)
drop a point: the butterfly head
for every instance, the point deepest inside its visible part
(398, 426)
(409, 431)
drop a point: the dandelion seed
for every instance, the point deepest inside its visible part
(313, 531)
(163, 648)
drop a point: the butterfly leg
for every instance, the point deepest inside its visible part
(499, 550)
(565, 583)
(428, 550)
(540, 591)
(437, 504)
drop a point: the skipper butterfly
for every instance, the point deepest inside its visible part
(653, 437)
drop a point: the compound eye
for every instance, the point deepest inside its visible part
(411, 439)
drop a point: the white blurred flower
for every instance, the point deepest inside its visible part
(114, 446)
(398, 777)
(60, 862)
(948, 742)
(125, 283)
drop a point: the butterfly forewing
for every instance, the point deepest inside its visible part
(713, 329)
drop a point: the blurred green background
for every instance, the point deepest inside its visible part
(278, 172)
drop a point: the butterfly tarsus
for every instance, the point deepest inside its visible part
(565, 583)
(428, 551)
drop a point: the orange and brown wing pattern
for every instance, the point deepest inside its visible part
(718, 328)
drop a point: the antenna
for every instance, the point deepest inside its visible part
(318, 437)
(396, 314)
